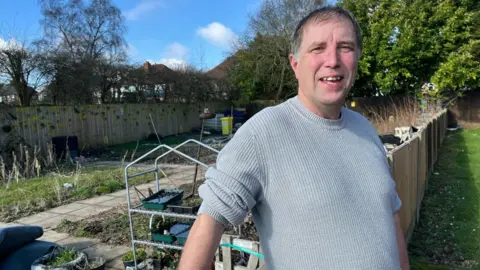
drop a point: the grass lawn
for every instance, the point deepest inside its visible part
(448, 234)
(39, 194)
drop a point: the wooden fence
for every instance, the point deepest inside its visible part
(100, 125)
(411, 165)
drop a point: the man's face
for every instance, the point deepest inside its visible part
(327, 62)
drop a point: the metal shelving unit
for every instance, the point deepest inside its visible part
(155, 170)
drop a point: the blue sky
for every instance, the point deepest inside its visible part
(160, 31)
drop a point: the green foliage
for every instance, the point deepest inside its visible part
(461, 70)
(410, 43)
(140, 254)
(39, 194)
(64, 257)
(260, 68)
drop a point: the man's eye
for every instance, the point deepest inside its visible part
(346, 48)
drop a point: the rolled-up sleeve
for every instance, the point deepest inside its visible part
(236, 184)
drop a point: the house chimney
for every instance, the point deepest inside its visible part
(146, 66)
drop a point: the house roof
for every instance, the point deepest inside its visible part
(159, 69)
(220, 71)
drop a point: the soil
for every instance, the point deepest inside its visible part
(115, 153)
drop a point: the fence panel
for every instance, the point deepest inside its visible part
(99, 125)
(422, 173)
(410, 166)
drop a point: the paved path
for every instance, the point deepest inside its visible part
(78, 210)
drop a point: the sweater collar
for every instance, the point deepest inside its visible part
(321, 121)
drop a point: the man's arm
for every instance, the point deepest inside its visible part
(231, 189)
(203, 239)
(402, 246)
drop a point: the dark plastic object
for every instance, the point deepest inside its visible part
(207, 116)
(180, 209)
(227, 113)
(178, 232)
(129, 264)
(160, 199)
(181, 231)
(60, 144)
(158, 234)
(160, 237)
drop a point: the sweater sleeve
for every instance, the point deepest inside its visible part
(236, 184)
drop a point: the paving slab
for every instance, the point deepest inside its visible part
(97, 200)
(53, 236)
(4, 225)
(121, 193)
(64, 209)
(90, 211)
(78, 243)
(51, 223)
(35, 219)
(115, 264)
(115, 202)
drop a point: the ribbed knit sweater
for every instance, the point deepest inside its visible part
(319, 190)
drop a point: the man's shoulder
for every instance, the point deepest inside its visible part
(269, 117)
(356, 115)
(358, 118)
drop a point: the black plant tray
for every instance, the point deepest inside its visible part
(160, 199)
(176, 232)
(180, 209)
(185, 209)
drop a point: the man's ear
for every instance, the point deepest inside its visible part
(293, 63)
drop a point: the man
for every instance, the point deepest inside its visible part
(313, 173)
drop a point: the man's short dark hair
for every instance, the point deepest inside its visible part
(324, 14)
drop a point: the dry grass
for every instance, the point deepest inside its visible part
(404, 113)
(48, 191)
(468, 125)
(27, 162)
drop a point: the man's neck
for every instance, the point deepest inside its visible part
(331, 112)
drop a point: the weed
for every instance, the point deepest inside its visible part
(140, 255)
(66, 256)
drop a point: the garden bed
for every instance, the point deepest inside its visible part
(135, 149)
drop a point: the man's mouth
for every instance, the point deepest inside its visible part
(332, 79)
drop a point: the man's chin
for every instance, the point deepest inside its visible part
(333, 99)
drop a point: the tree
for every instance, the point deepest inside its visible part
(85, 40)
(19, 67)
(261, 61)
(407, 44)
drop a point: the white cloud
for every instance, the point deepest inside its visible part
(9, 44)
(175, 64)
(144, 7)
(174, 56)
(218, 34)
(175, 50)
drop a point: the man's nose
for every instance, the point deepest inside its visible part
(331, 58)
